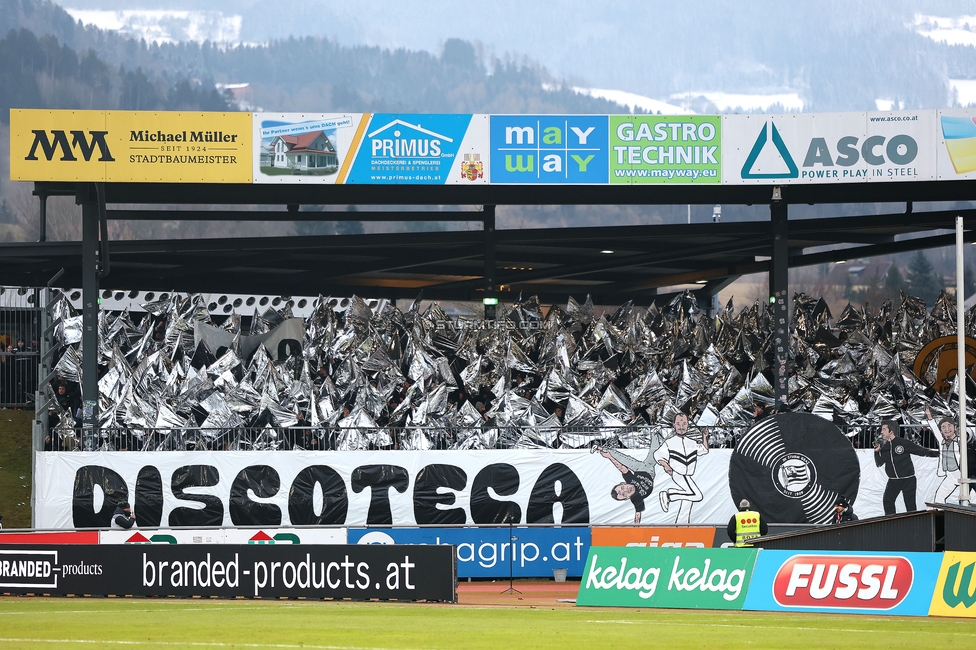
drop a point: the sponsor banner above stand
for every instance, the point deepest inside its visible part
(652, 537)
(494, 552)
(649, 149)
(130, 146)
(305, 147)
(955, 590)
(283, 571)
(223, 536)
(853, 583)
(422, 150)
(549, 149)
(666, 577)
(830, 148)
(466, 149)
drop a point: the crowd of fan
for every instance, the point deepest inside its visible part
(565, 377)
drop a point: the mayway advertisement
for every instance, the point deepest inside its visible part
(232, 571)
(422, 150)
(852, 583)
(305, 147)
(665, 149)
(522, 552)
(130, 146)
(664, 577)
(549, 149)
(829, 148)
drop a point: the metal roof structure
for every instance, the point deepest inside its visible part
(552, 263)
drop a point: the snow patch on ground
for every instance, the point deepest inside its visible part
(960, 30)
(165, 26)
(729, 102)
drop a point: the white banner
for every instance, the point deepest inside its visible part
(829, 148)
(223, 536)
(403, 488)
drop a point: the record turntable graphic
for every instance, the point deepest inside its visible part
(792, 467)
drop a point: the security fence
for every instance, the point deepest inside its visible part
(65, 435)
(20, 334)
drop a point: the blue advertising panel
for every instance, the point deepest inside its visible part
(490, 553)
(550, 149)
(411, 149)
(899, 584)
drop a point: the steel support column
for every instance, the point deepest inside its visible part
(91, 266)
(779, 281)
(490, 270)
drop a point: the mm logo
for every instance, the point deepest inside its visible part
(958, 594)
(84, 144)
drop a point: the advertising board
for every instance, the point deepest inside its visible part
(50, 537)
(549, 149)
(658, 149)
(853, 583)
(130, 146)
(693, 578)
(655, 537)
(955, 590)
(232, 571)
(422, 150)
(494, 552)
(223, 536)
(829, 148)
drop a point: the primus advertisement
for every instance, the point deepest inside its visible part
(232, 571)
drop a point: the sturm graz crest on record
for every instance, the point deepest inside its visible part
(792, 467)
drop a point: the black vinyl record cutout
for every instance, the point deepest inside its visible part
(792, 467)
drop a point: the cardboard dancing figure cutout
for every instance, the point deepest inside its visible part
(895, 454)
(679, 458)
(949, 457)
(638, 475)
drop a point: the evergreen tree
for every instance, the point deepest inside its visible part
(894, 282)
(922, 280)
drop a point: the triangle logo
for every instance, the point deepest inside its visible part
(747, 167)
(138, 538)
(261, 537)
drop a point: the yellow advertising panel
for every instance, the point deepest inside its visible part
(130, 146)
(955, 591)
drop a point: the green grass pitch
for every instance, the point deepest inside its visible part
(149, 623)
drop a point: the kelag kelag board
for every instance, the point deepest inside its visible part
(666, 577)
(231, 571)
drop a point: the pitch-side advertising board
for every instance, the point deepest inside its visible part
(470, 149)
(685, 578)
(497, 552)
(852, 583)
(232, 571)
